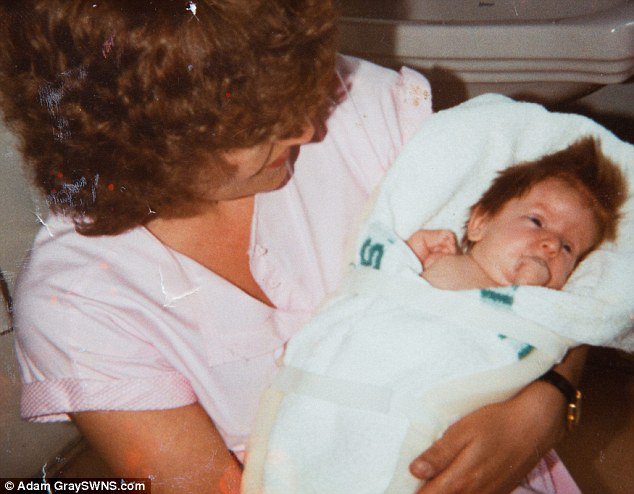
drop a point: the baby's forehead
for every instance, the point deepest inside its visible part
(568, 204)
(557, 194)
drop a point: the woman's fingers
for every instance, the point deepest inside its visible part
(450, 465)
(438, 456)
(479, 454)
(470, 472)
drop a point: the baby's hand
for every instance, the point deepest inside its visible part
(428, 245)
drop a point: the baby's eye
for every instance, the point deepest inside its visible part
(536, 221)
(567, 248)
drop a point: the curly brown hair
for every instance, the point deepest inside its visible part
(582, 165)
(120, 106)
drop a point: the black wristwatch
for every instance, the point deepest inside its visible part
(572, 395)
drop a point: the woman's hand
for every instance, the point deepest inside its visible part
(492, 449)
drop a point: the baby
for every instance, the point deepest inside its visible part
(377, 373)
(536, 222)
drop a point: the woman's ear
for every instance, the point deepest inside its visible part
(477, 224)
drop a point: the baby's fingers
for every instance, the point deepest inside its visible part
(442, 242)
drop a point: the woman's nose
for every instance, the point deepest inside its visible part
(308, 131)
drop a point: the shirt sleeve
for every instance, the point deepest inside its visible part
(83, 350)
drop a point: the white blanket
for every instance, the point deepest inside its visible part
(389, 362)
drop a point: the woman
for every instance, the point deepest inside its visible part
(162, 290)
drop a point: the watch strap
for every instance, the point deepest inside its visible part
(572, 395)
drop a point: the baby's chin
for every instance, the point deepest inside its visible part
(531, 271)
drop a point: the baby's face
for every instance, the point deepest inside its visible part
(536, 239)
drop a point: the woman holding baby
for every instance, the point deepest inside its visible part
(205, 163)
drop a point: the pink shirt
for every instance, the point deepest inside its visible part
(125, 323)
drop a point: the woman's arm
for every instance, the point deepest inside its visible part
(179, 449)
(492, 449)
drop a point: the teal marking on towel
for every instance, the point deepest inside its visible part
(371, 254)
(499, 298)
(525, 350)
(522, 349)
(502, 295)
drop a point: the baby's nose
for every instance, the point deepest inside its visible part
(551, 244)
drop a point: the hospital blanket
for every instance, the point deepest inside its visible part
(389, 362)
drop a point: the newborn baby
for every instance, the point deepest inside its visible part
(355, 398)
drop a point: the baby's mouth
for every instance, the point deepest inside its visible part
(533, 270)
(539, 261)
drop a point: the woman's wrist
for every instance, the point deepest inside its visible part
(571, 394)
(543, 410)
(571, 367)
(553, 405)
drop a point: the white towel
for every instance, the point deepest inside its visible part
(452, 160)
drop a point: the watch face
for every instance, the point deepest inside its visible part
(573, 415)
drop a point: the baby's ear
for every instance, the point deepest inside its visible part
(477, 224)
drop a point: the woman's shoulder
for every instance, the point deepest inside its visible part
(64, 264)
(364, 71)
(383, 101)
(60, 253)
(363, 77)
(77, 291)
(87, 333)
(373, 74)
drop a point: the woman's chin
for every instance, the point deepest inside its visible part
(284, 181)
(285, 173)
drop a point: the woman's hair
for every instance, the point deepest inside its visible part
(125, 108)
(582, 165)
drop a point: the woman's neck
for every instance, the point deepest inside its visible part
(215, 222)
(217, 238)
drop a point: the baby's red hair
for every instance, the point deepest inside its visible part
(582, 165)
